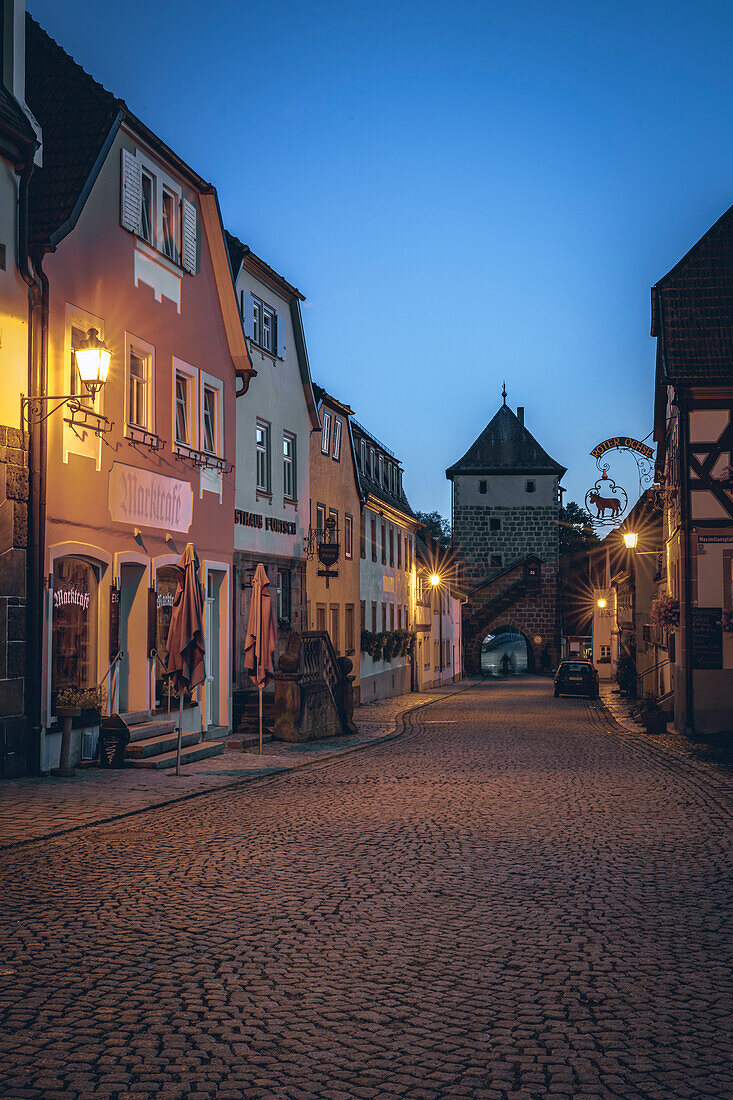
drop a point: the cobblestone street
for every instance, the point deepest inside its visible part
(515, 899)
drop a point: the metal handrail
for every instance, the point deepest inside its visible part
(117, 657)
(154, 653)
(654, 668)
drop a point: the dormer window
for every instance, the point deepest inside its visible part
(154, 209)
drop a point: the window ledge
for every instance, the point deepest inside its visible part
(158, 257)
(264, 352)
(262, 494)
(290, 501)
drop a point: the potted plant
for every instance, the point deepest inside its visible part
(652, 715)
(82, 704)
(626, 675)
(666, 612)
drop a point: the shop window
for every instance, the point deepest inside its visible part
(74, 659)
(284, 594)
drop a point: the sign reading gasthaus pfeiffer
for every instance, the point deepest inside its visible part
(145, 499)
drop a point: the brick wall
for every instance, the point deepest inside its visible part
(13, 545)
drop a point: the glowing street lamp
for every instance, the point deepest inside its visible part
(92, 359)
(631, 539)
(601, 603)
(434, 579)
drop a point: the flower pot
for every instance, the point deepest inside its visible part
(656, 722)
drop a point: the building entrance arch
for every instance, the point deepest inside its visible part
(506, 651)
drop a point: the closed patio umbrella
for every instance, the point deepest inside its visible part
(185, 645)
(259, 644)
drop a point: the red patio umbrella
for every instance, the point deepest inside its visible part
(259, 643)
(185, 644)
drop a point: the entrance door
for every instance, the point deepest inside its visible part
(211, 651)
(133, 639)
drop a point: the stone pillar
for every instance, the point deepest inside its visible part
(13, 544)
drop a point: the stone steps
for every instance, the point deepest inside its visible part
(156, 746)
(189, 755)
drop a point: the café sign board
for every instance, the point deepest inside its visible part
(146, 499)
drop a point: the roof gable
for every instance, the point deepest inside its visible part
(692, 309)
(505, 447)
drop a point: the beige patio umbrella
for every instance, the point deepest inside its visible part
(259, 643)
(185, 644)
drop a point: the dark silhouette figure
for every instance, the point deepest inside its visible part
(505, 665)
(545, 659)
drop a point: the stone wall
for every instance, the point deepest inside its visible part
(13, 546)
(534, 613)
(525, 529)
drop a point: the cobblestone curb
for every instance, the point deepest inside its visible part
(402, 724)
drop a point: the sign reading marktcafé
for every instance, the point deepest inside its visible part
(268, 523)
(146, 499)
(622, 442)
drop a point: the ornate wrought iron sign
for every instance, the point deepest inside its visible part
(606, 501)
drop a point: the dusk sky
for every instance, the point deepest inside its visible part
(465, 193)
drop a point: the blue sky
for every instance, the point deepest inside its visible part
(465, 193)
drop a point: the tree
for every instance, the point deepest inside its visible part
(576, 531)
(437, 529)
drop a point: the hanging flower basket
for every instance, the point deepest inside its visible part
(666, 612)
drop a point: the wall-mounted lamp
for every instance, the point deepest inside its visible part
(631, 539)
(92, 360)
(601, 603)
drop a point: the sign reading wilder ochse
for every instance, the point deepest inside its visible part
(146, 499)
(269, 523)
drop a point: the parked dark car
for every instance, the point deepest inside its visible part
(576, 677)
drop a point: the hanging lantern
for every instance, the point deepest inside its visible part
(92, 360)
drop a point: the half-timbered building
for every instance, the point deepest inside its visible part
(692, 320)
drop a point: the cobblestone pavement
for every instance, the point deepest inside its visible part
(41, 807)
(512, 900)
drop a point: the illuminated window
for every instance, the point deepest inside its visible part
(75, 625)
(137, 392)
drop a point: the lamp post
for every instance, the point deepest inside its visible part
(436, 583)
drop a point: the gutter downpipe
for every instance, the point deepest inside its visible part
(37, 283)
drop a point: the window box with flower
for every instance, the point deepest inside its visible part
(666, 612)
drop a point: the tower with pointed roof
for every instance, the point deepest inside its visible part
(506, 504)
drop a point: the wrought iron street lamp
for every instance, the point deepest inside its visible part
(92, 360)
(631, 539)
(601, 602)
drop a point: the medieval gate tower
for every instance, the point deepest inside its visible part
(506, 511)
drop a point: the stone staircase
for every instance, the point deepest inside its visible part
(246, 721)
(153, 743)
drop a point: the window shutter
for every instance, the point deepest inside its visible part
(131, 192)
(281, 334)
(249, 316)
(189, 236)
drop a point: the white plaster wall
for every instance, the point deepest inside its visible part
(506, 490)
(277, 396)
(384, 583)
(13, 306)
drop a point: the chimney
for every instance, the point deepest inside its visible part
(520, 414)
(12, 44)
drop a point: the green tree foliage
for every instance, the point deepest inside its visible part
(576, 531)
(437, 529)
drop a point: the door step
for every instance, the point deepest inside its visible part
(189, 755)
(147, 730)
(145, 747)
(246, 742)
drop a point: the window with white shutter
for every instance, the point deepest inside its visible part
(131, 192)
(189, 237)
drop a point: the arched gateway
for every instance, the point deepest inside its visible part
(506, 652)
(506, 510)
